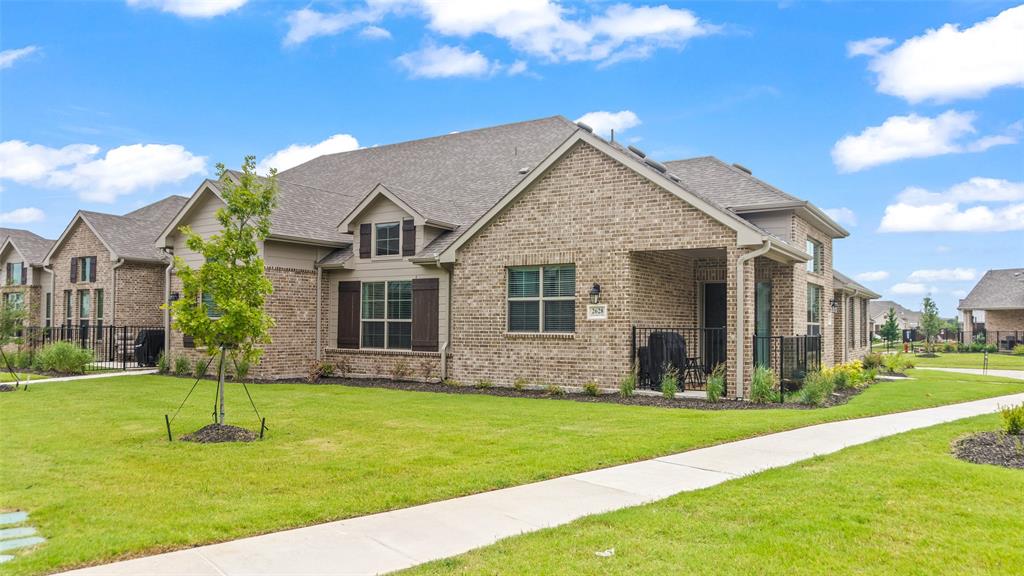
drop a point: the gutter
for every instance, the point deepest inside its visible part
(167, 300)
(113, 291)
(741, 311)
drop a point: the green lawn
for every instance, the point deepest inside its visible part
(5, 376)
(901, 505)
(90, 462)
(971, 360)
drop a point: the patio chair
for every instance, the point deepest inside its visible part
(669, 348)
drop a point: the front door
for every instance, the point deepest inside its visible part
(763, 323)
(714, 317)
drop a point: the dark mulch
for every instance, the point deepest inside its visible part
(837, 398)
(995, 448)
(213, 433)
(6, 387)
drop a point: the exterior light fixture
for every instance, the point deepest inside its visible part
(595, 293)
(834, 304)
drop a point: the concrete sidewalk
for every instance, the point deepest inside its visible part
(1019, 374)
(87, 377)
(403, 538)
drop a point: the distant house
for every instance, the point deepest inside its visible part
(906, 318)
(24, 282)
(851, 324)
(997, 300)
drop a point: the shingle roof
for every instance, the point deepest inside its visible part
(725, 183)
(337, 256)
(132, 235)
(31, 245)
(997, 289)
(879, 307)
(844, 281)
(453, 178)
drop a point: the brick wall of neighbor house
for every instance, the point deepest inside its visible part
(840, 323)
(1001, 321)
(802, 230)
(80, 242)
(140, 292)
(591, 211)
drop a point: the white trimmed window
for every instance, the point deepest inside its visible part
(542, 299)
(815, 250)
(389, 236)
(386, 314)
(813, 310)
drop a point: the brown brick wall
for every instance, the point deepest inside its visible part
(802, 230)
(398, 364)
(140, 292)
(81, 242)
(1003, 321)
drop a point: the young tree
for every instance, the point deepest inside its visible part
(12, 318)
(931, 324)
(890, 329)
(221, 305)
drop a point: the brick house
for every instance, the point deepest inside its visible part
(994, 309)
(105, 271)
(538, 250)
(24, 281)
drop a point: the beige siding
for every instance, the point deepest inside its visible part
(202, 218)
(277, 254)
(777, 224)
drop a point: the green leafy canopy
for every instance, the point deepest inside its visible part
(233, 273)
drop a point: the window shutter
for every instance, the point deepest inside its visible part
(8, 272)
(408, 238)
(92, 269)
(364, 240)
(74, 270)
(188, 341)
(24, 274)
(348, 314)
(424, 314)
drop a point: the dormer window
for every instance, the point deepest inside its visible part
(388, 239)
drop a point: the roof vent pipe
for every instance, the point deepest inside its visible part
(585, 127)
(636, 151)
(744, 168)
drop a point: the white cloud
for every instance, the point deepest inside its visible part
(959, 293)
(518, 67)
(375, 33)
(873, 276)
(943, 275)
(913, 136)
(191, 8)
(912, 288)
(604, 122)
(9, 57)
(541, 28)
(298, 153)
(977, 205)
(949, 63)
(445, 62)
(843, 216)
(868, 47)
(120, 171)
(22, 216)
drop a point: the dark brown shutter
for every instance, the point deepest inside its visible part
(92, 269)
(364, 240)
(24, 274)
(9, 270)
(74, 270)
(348, 314)
(188, 341)
(424, 314)
(408, 238)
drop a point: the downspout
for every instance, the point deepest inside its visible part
(167, 299)
(53, 297)
(741, 304)
(444, 347)
(319, 300)
(113, 291)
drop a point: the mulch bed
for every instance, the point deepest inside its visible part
(996, 448)
(214, 433)
(837, 398)
(6, 387)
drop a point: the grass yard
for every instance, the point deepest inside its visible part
(5, 377)
(900, 505)
(971, 360)
(89, 460)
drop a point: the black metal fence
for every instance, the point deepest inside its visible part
(1003, 340)
(790, 357)
(112, 347)
(692, 352)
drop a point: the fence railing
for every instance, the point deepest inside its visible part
(996, 340)
(112, 347)
(692, 352)
(790, 357)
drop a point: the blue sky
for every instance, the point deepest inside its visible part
(111, 105)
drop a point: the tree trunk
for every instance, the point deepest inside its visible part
(220, 385)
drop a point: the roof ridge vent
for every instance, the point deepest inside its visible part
(673, 177)
(585, 126)
(656, 165)
(524, 170)
(743, 168)
(636, 151)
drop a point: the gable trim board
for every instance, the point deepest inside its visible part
(348, 223)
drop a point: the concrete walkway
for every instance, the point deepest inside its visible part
(978, 371)
(403, 538)
(87, 377)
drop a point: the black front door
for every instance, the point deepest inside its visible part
(714, 317)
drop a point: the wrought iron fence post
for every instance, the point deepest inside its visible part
(632, 350)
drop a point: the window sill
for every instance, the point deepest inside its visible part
(382, 352)
(540, 335)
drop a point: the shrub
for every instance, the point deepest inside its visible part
(949, 347)
(319, 369)
(520, 384)
(200, 367)
(163, 364)
(670, 383)
(818, 386)
(452, 382)
(840, 378)
(872, 360)
(762, 387)
(716, 383)
(1018, 350)
(871, 374)
(1013, 419)
(241, 369)
(19, 359)
(63, 357)
(898, 363)
(182, 366)
(590, 388)
(627, 386)
(484, 384)
(554, 390)
(400, 370)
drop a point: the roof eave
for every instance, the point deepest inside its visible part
(172, 226)
(805, 209)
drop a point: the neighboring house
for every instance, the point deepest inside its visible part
(906, 319)
(851, 303)
(533, 250)
(106, 271)
(999, 298)
(23, 280)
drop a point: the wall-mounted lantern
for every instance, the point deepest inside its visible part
(595, 293)
(834, 304)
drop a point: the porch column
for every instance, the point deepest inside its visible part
(967, 320)
(732, 318)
